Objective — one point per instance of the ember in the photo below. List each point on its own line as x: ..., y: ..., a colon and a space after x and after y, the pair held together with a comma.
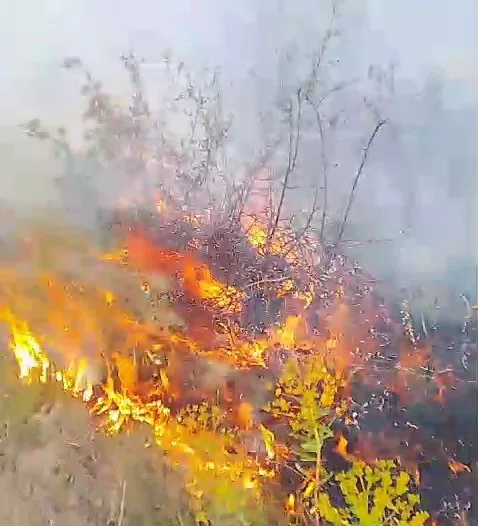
x: 330, y: 395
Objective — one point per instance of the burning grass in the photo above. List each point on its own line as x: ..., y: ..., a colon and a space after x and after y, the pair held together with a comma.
x: 262, y: 378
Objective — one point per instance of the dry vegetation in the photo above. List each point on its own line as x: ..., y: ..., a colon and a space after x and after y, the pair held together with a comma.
x: 56, y: 468
x: 170, y: 372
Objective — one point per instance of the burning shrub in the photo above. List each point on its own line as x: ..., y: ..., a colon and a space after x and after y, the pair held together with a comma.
x: 170, y: 325
x: 135, y: 333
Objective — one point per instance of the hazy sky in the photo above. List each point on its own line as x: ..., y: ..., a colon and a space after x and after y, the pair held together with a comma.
x: 34, y: 36
x: 239, y: 36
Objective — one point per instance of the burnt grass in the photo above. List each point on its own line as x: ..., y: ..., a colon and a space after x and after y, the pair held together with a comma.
x: 422, y: 427
x: 427, y: 434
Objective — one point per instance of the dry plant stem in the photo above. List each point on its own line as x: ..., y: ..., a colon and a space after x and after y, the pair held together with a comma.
x: 325, y: 40
x: 294, y: 141
x: 325, y: 177
x: 122, y: 505
x: 475, y: 470
x: 265, y: 281
x: 318, y: 461
x: 357, y: 179
x: 325, y: 165
x: 244, y: 190
x: 323, y: 152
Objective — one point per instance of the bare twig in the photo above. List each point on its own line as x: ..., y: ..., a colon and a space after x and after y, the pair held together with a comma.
x: 325, y: 165
x: 368, y: 241
x: 244, y: 189
x: 325, y: 41
x: 325, y: 169
x: 358, y: 174
x: 294, y: 141
x: 310, y: 89
x: 121, y: 514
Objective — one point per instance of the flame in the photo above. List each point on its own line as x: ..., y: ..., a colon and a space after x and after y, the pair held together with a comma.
x: 290, y: 504
x: 119, y: 398
x: 341, y: 449
x: 26, y: 349
x: 286, y: 335
x: 197, y: 277
x: 161, y: 205
x: 457, y: 467
x: 245, y: 416
x: 121, y: 408
x: 282, y: 242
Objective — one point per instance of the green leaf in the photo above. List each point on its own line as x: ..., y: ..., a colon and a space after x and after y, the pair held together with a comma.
x: 309, y: 446
x: 306, y: 457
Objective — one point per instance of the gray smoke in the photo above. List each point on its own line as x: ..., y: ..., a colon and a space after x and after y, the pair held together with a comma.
x: 413, y: 222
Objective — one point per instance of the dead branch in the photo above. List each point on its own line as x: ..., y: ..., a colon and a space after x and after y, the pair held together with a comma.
x: 121, y: 514
x: 325, y: 170
x: 241, y: 192
x: 358, y: 174
x: 265, y: 281
x: 371, y: 241
x: 309, y: 90
x: 329, y: 34
x: 294, y: 141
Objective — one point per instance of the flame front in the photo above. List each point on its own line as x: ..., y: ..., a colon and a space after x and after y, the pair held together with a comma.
x: 141, y: 375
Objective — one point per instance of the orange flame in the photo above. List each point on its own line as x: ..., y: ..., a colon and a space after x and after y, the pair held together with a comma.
x: 197, y: 277
x: 457, y: 467
x: 341, y: 449
x: 290, y: 504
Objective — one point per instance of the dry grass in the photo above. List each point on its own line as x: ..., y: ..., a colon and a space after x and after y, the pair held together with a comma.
x: 56, y: 469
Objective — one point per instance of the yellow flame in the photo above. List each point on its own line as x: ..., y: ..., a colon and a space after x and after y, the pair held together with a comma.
x: 121, y: 408
x: 26, y: 349
x: 286, y: 336
x: 290, y: 504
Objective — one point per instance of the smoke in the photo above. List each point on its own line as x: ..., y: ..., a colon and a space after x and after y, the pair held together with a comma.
x: 413, y: 221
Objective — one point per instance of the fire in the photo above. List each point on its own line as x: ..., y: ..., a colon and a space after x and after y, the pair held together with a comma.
x: 290, y: 504
x: 257, y: 236
x: 196, y: 276
x: 26, y: 349
x: 286, y: 335
x: 161, y: 205
x: 245, y: 415
x: 75, y: 380
x: 341, y: 449
x: 281, y: 242
x: 457, y: 467
x: 129, y: 368
x: 120, y: 408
